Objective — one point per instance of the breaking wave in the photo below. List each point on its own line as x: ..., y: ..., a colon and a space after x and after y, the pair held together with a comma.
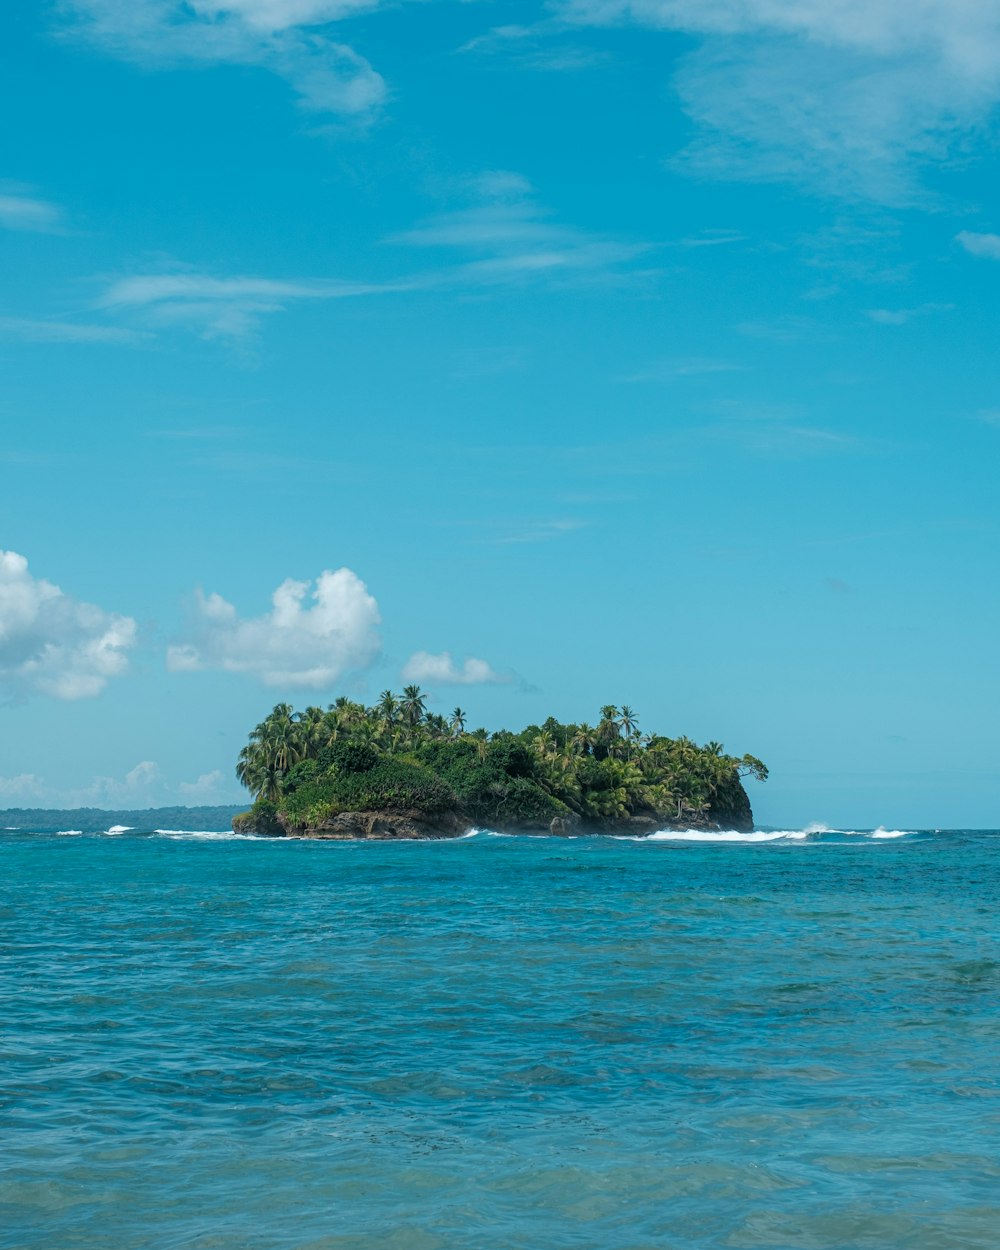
x: 811, y: 833
x: 210, y: 835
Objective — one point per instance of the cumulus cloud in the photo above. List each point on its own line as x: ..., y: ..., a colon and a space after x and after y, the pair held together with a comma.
x: 850, y: 97
x: 277, y: 35
x: 24, y: 788
x: 293, y: 645
x: 143, y: 785
x: 213, y: 787
x: 23, y: 211
x: 53, y: 644
x: 422, y: 666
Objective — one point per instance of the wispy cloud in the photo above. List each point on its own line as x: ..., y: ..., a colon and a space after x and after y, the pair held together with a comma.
x: 987, y: 245
x: 37, y: 330
x: 507, y: 235
x: 21, y: 210
x: 711, y: 238
x: 500, y: 236
x: 683, y: 367
x: 787, y: 329
x: 541, y: 531
x: 900, y: 316
x: 542, y: 46
x: 225, y: 307
x: 279, y: 36
x: 848, y: 98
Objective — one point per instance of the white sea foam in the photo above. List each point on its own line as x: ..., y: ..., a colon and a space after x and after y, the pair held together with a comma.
x: 891, y: 833
x: 120, y: 829
x: 69, y: 833
x: 216, y: 835
x: 720, y: 835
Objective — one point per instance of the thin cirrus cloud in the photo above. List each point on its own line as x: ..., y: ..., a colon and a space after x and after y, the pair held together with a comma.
x: 297, y: 644
x: 506, y: 235
x: 501, y: 236
x: 850, y: 98
x: 442, y: 670
x: 224, y: 307
x: 39, y: 330
x: 51, y: 643
x: 900, y: 316
x: 541, y: 46
x: 23, y: 211
x: 278, y: 36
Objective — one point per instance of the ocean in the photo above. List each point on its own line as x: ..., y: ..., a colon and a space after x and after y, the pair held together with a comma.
x: 743, y: 1042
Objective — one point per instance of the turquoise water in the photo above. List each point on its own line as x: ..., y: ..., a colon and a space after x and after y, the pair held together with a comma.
x: 500, y: 1043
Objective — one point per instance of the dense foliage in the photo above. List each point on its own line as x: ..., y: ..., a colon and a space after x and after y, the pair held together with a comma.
x: 305, y: 767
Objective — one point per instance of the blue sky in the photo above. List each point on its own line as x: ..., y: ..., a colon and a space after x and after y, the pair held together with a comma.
x: 548, y: 355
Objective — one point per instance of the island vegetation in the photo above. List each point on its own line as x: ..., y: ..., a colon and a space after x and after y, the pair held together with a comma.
x: 398, y: 770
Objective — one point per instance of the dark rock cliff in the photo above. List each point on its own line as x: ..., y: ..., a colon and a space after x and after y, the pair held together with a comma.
x: 730, y: 811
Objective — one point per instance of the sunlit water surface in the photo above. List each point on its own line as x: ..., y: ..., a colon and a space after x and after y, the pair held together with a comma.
x: 213, y: 1043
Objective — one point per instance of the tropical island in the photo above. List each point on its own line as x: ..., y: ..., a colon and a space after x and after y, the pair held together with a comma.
x: 396, y: 770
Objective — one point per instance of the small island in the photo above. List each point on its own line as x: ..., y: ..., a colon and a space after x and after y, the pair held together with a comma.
x: 397, y: 771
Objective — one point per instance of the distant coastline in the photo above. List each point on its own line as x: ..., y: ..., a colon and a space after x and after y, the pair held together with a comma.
x: 99, y: 819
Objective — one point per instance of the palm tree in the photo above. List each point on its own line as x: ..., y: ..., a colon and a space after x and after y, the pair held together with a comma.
x: 584, y: 740
x: 629, y: 727
x: 609, y: 728
x: 457, y: 722
x: 413, y: 705
x: 482, y: 740
x: 387, y: 712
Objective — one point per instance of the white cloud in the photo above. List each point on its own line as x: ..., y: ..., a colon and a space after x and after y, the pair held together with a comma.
x: 53, y: 644
x: 25, y: 788
x: 506, y: 235
x: 144, y: 785
x: 211, y: 787
x: 849, y: 97
x: 141, y: 786
x: 683, y: 367
x: 25, y: 212
x: 900, y: 316
x: 532, y: 47
x: 327, y: 77
x: 36, y: 330
x: 422, y: 666
x: 291, y: 646
x: 224, y: 308
x: 980, y: 244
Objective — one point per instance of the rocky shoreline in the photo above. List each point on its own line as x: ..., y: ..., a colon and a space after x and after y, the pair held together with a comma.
x: 415, y: 826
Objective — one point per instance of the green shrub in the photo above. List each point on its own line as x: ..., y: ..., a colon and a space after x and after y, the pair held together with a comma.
x: 349, y: 755
x: 391, y: 785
